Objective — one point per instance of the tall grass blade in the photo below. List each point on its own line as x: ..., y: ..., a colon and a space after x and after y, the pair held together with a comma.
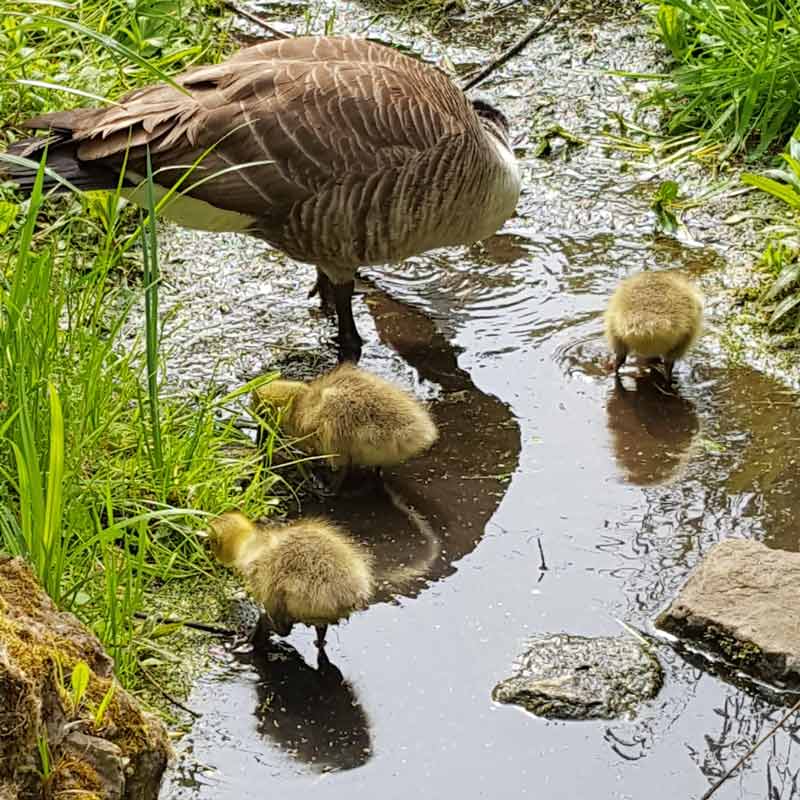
x: 151, y: 278
x: 51, y: 532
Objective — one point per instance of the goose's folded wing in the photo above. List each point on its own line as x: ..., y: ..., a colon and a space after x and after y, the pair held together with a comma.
x: 277, y: 121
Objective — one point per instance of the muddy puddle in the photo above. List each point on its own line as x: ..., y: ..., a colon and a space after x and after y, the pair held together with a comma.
x: 556, y: 499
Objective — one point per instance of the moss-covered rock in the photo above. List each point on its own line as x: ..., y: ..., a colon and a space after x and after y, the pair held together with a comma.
x: 576, y: 677
x: 120, y: 756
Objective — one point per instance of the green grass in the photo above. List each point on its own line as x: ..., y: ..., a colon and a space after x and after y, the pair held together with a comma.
x: 736, y: 71
x: 90, y: 49
x: 105, y: 478
x: 780, y: 264
x: 103, y: 513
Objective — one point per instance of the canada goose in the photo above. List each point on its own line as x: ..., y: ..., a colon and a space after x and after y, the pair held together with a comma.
x: 352, y: 416
x: 308, y: 571
x: 340, y: 152
x: 655, y: 315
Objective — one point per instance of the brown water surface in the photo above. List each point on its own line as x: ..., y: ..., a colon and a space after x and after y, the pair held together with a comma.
x: 622, y: 487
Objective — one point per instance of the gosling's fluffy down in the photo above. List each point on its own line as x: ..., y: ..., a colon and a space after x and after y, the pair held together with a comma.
x: 308, y: 571
x: 352, y: 416
x: 654, y: 315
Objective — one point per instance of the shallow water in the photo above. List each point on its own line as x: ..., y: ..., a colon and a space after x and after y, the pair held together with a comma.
x: 556, y: 500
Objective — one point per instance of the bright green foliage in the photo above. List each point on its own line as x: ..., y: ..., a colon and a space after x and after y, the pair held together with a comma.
x: 780, y: 261
x: 737, y: 75
x: 104, y: 480
x: 79, y: 683
x: 81, y: 495
x: 90, y: 50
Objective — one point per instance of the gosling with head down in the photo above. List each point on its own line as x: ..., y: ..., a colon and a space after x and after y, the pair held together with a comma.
x: 351, y: 416
x: 656, y: 315
x: 308, y: 571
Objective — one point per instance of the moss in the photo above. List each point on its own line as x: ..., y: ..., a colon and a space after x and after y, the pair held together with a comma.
x: 74, y: 779
x: 39, y: 645
x: 740, y: 654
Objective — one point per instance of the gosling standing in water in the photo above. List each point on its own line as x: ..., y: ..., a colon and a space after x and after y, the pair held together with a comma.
x: 308, y: 571
x: 351, y: 416
x: 657, y: 315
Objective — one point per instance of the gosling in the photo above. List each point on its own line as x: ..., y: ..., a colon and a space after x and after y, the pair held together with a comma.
x: 657, y: 315
x: 352, y: 417
x: 308, y: 571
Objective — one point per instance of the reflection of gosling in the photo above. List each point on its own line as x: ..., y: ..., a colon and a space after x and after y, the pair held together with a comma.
x: 654, y: 315
x: 308, y: 571
x: 352, y: 416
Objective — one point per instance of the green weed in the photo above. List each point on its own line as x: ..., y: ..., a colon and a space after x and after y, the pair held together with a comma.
x: 57, y: 54
x: 780, y: 263
x: 735, y: 76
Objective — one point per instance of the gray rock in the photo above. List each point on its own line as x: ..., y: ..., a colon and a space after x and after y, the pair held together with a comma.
x: 577, y: 677
x: 104, y: 758
x: 742, y: 603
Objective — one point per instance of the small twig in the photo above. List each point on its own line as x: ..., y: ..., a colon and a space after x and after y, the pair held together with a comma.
x: 503, y: 7
x: 515, y: 48
x: 205, y: 627
x: 543, y: 566
x: 794, y: 709
x: 255, y: 20
x: 167, y: 695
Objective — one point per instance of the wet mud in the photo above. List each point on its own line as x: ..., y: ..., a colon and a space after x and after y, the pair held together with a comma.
x: 557, y: 499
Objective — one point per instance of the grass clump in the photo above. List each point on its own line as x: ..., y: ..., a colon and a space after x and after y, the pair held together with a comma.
x: 103, y: 516
x: 736, y: 71
x: 104, y: 478
x: 780, y: 263
x: 56, y: 54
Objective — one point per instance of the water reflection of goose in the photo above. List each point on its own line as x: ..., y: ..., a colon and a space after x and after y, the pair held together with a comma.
x: 312, y: 714
x: 652, y: 429
x: 435, y: 508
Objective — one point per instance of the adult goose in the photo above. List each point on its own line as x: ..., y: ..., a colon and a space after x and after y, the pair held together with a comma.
x: 340, y: 152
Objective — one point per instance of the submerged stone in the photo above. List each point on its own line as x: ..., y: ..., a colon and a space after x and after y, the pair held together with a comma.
x: 742, y: 603
x: 117, y: 754
x: 577, y: 677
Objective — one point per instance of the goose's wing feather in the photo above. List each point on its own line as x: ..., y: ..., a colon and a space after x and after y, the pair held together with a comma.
x: 314, y: 108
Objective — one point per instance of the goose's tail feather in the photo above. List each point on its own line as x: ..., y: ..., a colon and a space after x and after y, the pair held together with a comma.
x: 24, y: 156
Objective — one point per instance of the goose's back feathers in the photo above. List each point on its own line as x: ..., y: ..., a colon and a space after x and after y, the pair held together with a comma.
x: 337, y: 150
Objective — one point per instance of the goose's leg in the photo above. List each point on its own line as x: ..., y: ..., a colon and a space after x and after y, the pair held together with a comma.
x: 324, y: 288
x: 348, y: 339
x: 619, y: 360
x: 321, y: 631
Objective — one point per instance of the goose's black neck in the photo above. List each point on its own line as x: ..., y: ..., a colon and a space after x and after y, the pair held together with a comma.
x: 493, y: 119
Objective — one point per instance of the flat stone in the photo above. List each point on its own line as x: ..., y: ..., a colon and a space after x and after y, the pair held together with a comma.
x: 576, y: 677
x: 742, y: 603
